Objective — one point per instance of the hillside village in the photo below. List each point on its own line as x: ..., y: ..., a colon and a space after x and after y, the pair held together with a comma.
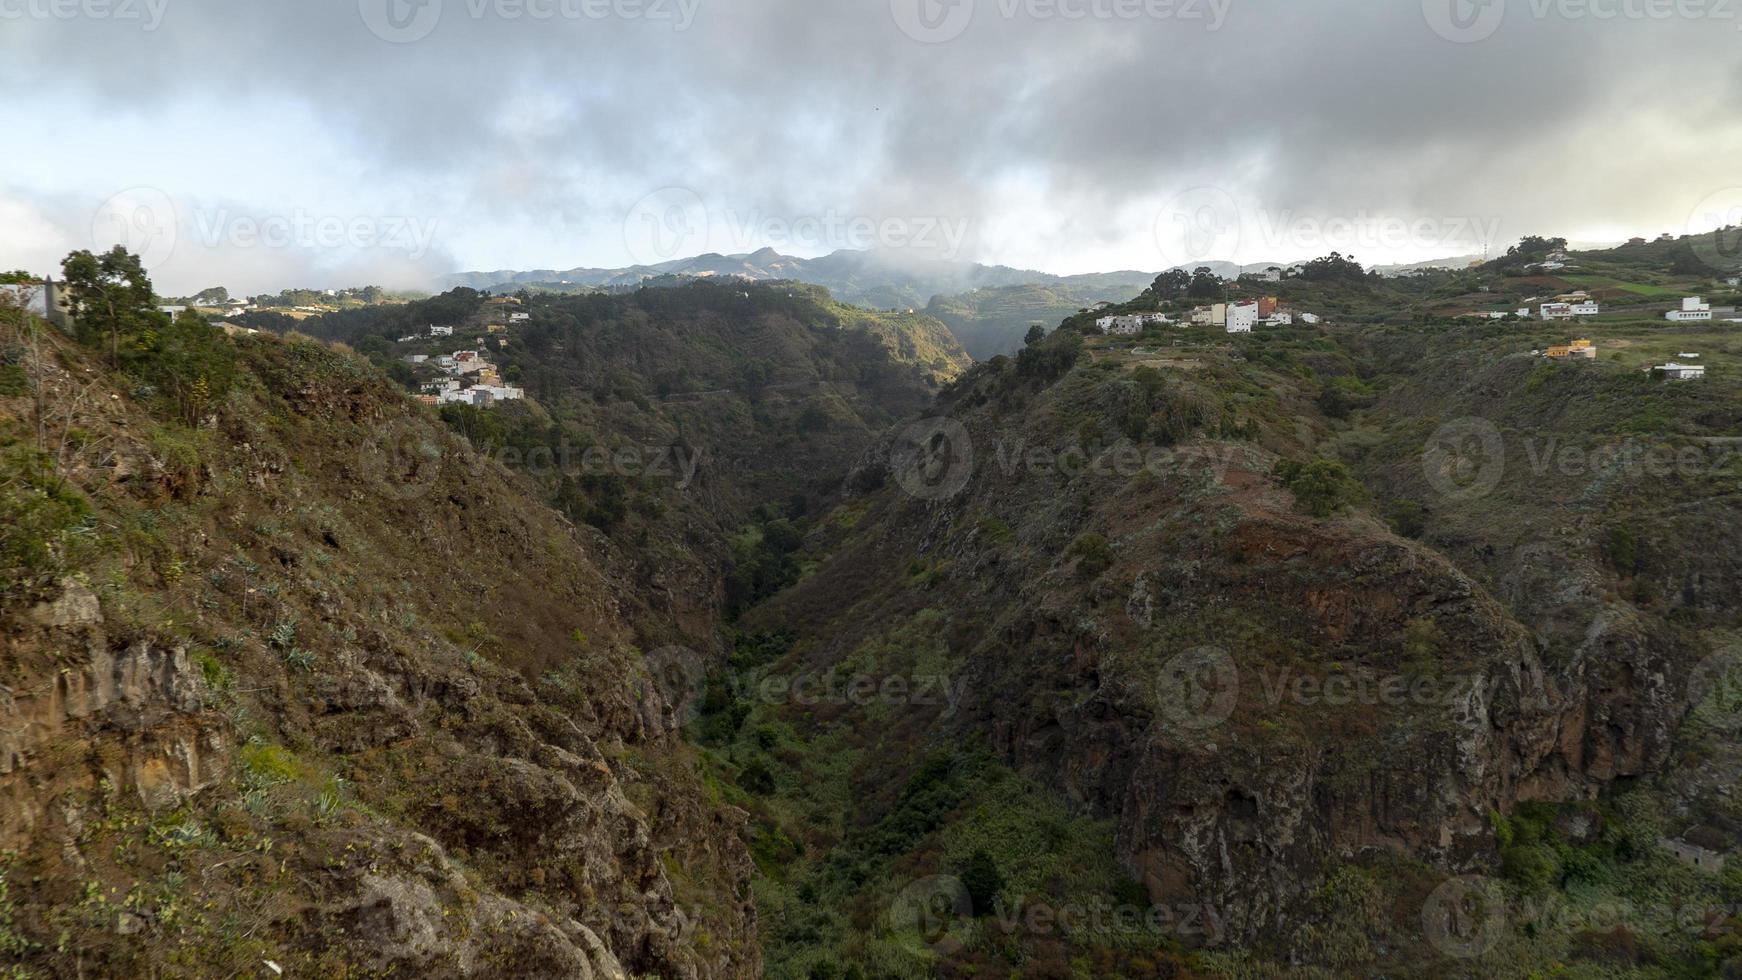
x: 1236, y: 317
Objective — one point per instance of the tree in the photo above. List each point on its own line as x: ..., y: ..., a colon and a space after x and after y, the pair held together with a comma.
x: 1172, y: 284
x: 1205, y: 284
x: 1532, y: 248
x: 1332, y: 267
x: 110, y: 294
x: 372, y: 344
x: 1684, y: 262
x: 214, y: 296
x: 1036, y: 334
x: 189, y: 361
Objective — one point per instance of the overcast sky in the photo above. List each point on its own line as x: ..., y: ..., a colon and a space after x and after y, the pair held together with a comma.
x: 259, y: 144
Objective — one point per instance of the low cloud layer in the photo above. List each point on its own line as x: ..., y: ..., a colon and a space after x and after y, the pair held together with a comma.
x: 392, y: 140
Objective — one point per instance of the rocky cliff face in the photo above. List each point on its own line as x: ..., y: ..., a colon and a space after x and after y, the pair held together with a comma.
x: 314, y: 690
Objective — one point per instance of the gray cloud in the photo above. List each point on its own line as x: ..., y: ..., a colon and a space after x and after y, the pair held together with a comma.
x: 1054, y: 138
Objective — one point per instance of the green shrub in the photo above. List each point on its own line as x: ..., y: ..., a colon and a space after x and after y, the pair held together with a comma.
x: 1407, y: 518
x: 983, y: 882
x: 1094, y: 555
x: 38, y: 511
x: 1321, y: 487
x: 1621, y: 549
x: 13, y: 380
x: 267, y: 764
x: 1529, y: 866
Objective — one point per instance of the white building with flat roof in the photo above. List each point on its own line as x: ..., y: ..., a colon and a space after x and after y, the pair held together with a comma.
x: 1242, y: 317
x: 1693, y: 308
x: 1568, y: 311
x: 1682, y: 372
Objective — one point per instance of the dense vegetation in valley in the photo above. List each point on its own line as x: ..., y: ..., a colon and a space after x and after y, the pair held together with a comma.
x: 770, y: 635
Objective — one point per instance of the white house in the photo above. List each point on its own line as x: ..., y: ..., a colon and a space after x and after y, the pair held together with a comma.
x: 503, y: 393
x: 1733, y: 281
x: 1524, y: 312
x: 1682, y: 372
x: 415, y: 358
x: 1242, y: 317
x: 435, y: 331
x: 519, y: 317
x: 407, y: 340
x: 1693, y: 308
x: 1310, y: 318
x: 1281, y: 318
x: 1567, y: 311
x: 1127, y: 326
x: 1106, y: 323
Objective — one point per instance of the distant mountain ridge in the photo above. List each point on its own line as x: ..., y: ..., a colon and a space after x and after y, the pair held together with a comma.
x: 865, y: 278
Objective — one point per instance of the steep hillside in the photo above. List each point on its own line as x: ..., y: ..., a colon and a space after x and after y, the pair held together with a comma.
x: 305, y: 686
x: 1183, y: 660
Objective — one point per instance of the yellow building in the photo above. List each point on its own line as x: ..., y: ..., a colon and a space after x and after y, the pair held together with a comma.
x: 1578, y: 348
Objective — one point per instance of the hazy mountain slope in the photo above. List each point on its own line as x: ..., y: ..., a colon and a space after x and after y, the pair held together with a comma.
x: 308, y: 684
x: 994, y: 321
x: 868, y: 278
